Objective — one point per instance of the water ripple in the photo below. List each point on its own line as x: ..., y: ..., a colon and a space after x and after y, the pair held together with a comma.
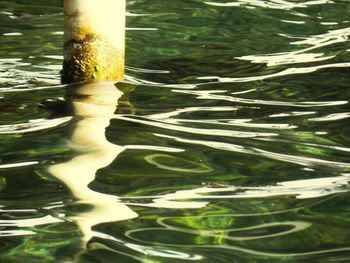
x: 147, y: 250
x: 288, y: 158
x: 286, y: 72
x: 33, y: 125
x: 212, y: 95
x: 243, y: 105
x: 302, y: 56
x: 16, y: 165
x: 210, y: 132
x: 271, y: 4
x: 47, y: 219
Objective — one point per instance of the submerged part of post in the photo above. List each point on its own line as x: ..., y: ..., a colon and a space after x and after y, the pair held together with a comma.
x: 94, y: 33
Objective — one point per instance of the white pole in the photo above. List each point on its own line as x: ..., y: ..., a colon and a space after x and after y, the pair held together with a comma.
x: 94, y: 34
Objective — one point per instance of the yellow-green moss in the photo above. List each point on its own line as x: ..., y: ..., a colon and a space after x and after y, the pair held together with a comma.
x: 92, y: 59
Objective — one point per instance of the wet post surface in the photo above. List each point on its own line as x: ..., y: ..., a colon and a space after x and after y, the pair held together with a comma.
x: 94, y: 35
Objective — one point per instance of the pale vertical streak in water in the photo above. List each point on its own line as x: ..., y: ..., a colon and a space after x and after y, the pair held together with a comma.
x: 244, y: 107
x: 93, y: 105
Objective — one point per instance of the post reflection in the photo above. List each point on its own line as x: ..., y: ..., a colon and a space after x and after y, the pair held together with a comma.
x: 93, y: 106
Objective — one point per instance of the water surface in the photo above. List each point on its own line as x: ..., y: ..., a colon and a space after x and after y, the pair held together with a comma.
x: 227, y: 142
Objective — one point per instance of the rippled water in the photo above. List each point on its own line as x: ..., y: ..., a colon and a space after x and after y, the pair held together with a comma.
x: 230, y: 140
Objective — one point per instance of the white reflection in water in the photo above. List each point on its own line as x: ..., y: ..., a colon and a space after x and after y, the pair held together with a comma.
x: 167, y: 117
x: 332, y: 117
x: 286, y: 72
x: 270, y: 4
x: 302, y: 56
x: 93, y: 105
x: 213, y: 132
x: 17, y: 224
x: 13, y: 34
x: 215, y: 95
x: 32, y: 125
x: 30, y: 222
x: 293, y: 22
x: 236, y: 122
x: 292, y: 114
x: 144, y: 250
x: 16, y: 232
x: 321, y: 40
x: 301, y: 189
x: 177, y: 112
x: 16, y: 165
x: 285, y: 58
x: 15, y: 73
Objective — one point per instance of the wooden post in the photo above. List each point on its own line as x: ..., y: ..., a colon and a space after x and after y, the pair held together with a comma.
x: 94, y: 40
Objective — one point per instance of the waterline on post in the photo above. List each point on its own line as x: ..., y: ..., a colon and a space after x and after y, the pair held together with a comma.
x: 94, y: 35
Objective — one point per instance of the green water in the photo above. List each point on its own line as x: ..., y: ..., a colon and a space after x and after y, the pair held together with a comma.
x: 230, y: 142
